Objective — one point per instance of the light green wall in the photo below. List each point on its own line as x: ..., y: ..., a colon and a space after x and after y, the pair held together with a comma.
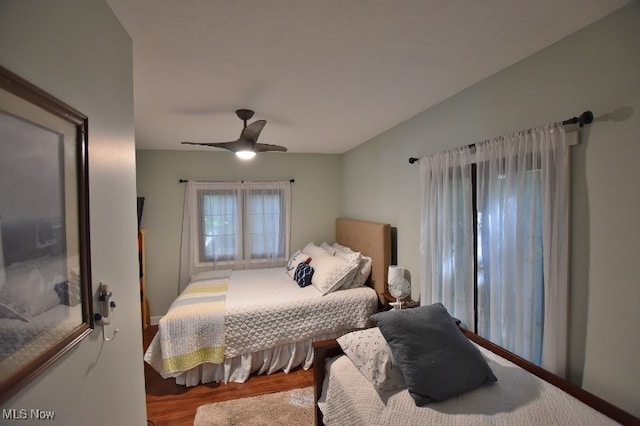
x: 597, y: 68
x: 316, y: 202
x: 78, y: 51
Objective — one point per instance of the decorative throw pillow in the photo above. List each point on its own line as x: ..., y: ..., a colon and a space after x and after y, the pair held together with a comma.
x: 297, y: 258
x: 371, y: 355
x: 303, y: 274
x: 437, y: 361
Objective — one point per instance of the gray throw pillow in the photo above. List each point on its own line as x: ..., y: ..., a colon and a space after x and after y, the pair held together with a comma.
x: 437, y: 361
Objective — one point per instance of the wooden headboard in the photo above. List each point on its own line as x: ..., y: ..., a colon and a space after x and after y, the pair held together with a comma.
x: 371, y: 239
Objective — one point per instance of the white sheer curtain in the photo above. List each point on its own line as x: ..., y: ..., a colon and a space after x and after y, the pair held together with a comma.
x: 522, y: 212
x: 234, y: 225
x: 224, y: 245
x: 267, y: 230
x: 446, y: 232
x: 523, y: 253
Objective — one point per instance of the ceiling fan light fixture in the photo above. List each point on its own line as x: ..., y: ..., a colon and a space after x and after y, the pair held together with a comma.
x: 246, y: 155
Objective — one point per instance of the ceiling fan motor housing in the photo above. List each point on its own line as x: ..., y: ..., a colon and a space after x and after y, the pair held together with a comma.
x: 244, y: 115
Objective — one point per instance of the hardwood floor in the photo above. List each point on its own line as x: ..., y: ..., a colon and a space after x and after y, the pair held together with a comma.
x: 169, y: 404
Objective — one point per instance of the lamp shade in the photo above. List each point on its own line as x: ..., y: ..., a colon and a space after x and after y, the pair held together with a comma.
x: 395, y: 271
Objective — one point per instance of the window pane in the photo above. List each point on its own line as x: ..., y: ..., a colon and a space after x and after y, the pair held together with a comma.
x: 510, y: 275
x: 218, y: 225
x: 265, y: 222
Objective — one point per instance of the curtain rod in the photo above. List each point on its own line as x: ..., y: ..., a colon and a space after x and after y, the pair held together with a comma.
x: 242, y: 181
x: 584, y: 118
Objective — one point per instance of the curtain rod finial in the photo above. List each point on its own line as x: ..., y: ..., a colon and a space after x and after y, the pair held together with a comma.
x: 412, y: 160
x: 586, y: 118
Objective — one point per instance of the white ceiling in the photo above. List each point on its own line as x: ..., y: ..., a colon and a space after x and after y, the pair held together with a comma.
x: 327, y: 75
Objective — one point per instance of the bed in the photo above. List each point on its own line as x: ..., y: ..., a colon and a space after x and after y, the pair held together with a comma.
x: 40, y: 299
x: 227, y: 325
x: 452, y: 376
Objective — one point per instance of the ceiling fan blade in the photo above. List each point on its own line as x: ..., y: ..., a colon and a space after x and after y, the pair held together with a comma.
x: 252, y: 131
x: 231, y: 146
x: 265, y: 147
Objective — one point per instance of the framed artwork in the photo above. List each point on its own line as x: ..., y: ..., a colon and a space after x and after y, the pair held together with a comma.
x: 45, y: 277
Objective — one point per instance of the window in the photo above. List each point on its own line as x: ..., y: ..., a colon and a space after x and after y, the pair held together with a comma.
x: 242, y: 224
x: 219, y: 225
x: 509, y: 249
x: 264, y: 224
x: 494, y: 234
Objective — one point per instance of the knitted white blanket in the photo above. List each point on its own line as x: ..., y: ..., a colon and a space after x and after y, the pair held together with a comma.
x: 193, y: 331
x: 517, y: 398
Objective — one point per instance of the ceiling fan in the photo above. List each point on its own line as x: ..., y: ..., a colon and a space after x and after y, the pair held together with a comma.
x: 247, y: 145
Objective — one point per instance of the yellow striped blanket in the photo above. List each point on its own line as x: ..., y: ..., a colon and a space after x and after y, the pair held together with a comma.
x: 192, y: 331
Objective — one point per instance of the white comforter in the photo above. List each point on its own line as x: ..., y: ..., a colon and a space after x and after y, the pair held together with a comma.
x: 270, y: 323
x: 518, y: 398
x: 266, y: 308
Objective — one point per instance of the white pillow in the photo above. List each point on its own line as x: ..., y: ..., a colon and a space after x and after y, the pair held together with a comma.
x: 351, y: 257
x: 364, y: 270
x: 370, y: 354
x: 339, y: 247
x: 311, y: 248
x: 326, y: 247
x: 348, y: 255
x: 364, y: 265
x: 297, y: 258
x: 330, y: 272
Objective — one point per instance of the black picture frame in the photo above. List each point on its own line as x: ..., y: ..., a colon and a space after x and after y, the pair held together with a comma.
x: 45, y: 276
